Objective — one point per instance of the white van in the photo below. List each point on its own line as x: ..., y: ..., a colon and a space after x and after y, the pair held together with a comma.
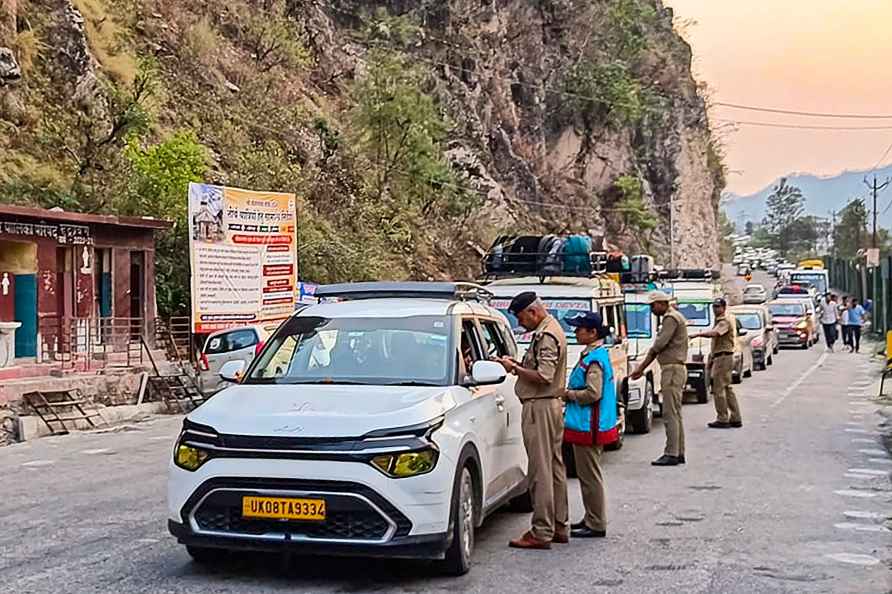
x: 641, y: 328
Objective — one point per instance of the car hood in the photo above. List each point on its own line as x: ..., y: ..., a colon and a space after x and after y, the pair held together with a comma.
x: 699, y: 345
x: 321, y: 410
x: 786, y: 320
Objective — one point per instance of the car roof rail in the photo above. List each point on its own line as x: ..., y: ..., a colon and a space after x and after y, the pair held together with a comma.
x: 450, y: 291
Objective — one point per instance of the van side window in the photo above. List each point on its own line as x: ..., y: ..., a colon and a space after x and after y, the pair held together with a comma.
x: 493, y: 341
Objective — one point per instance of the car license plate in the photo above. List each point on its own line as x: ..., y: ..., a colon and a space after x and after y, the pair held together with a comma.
x: 283, y: 508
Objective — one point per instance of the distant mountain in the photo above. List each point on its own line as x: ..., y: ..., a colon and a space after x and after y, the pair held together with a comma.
x: 822, y: 195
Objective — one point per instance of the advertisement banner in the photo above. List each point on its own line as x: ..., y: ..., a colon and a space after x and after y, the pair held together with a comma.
x: 242, y: 251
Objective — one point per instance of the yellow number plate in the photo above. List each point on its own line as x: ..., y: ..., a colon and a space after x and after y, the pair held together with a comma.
x: 283, y: 508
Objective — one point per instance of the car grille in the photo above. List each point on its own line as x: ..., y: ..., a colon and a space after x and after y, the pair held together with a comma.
x: 348, y: 517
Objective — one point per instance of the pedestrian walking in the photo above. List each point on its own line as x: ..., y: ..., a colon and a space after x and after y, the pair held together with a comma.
x: 829, y: 319
x: 590, y: 417
x: 540, y: 383
x: 856, y: 315
x: 844, y: 324
x: 721, y: 363
x: 670, y: 349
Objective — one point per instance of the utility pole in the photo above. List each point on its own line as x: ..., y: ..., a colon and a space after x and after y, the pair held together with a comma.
x: 875, y: 189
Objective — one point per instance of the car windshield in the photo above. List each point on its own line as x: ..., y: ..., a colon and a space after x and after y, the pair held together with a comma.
x: 374, y: 351
x: 749, y: 320
x: 787, y: 309
x: 697, y: 313
x: 810, y: 279
x: 754, y: 289
x: 561, y: 309
x: 638, y: 320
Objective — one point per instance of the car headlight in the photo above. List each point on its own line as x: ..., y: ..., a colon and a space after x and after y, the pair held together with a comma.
x: 406, y: 464
x: 189, y: 457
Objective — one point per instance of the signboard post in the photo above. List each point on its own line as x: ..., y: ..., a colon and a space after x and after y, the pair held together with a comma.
x: 242, y: 253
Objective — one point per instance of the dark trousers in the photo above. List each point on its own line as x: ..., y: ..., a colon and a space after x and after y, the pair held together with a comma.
x: 855, y: 337
x: 830, y: 334
x: 847, y: 335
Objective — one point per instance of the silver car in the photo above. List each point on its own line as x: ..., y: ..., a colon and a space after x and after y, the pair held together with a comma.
x: 754, y: 294
x: 234, y: 344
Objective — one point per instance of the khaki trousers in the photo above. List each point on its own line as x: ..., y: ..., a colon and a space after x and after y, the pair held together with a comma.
x: 723, y: 394
x: 542, y: 424
x: 591, y: 482
x: 673, y: 381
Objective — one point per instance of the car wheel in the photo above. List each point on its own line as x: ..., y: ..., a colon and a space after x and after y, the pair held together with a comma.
x: 205, y: 555
x: 748, y: 372
x: 458, y: 555
x: 642, y: 420
x: 702, y: 389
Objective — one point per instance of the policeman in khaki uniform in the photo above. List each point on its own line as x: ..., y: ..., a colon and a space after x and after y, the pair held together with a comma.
x: 670, y: 349
x: 541, y: 379
x: 721, y: 363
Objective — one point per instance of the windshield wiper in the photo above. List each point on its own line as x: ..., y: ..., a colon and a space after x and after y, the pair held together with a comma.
x: 413, y: 383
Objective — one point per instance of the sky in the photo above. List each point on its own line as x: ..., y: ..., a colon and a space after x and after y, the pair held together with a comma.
x: 803, y: 55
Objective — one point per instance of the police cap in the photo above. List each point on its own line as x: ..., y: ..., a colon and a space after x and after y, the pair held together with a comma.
x: 522, y: 301
x: 719, y: 302
x: 658, y: 296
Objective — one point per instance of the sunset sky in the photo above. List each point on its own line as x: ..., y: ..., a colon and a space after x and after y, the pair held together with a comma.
x: 804, y: 55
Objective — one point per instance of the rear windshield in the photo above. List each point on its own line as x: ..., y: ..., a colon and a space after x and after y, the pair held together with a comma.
x: 787, y: 309
x: 230, y: 341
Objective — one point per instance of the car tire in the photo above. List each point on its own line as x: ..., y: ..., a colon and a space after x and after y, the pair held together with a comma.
x: 702, y: 390
x: 641, y: 420
x: 748, y: 372
x: 458, y: 555
x: 205, y: 555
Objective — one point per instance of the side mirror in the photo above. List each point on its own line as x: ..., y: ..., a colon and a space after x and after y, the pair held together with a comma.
x: 232, y: 371
x: 487, y: 373
x: 743, y: 332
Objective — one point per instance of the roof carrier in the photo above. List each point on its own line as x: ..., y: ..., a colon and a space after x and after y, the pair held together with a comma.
x: 545, y: 255
x: 690, y: 274
x: 403, y: 290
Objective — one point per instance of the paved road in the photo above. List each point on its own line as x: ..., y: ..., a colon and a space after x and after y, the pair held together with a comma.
x: 793, y: 502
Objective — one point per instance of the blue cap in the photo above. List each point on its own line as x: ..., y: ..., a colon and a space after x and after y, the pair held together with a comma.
x: 590, y: 320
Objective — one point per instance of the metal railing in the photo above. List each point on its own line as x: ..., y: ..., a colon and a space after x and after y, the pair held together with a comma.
x: 871, y: 285
x: 91, y: 344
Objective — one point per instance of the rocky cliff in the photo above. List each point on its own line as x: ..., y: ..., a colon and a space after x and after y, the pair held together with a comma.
x: 551, y: 115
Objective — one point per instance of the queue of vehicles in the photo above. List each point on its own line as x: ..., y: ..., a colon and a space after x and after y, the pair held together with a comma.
x: 375, y: 423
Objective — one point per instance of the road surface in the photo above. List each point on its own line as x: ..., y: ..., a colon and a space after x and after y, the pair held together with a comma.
x: 796, y: 501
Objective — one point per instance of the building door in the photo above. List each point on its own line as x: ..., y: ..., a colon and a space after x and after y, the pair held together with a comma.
x: 26, y: 313
x: 137, y: 292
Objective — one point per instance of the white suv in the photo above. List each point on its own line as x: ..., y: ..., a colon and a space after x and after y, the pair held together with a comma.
x: 370, y: 426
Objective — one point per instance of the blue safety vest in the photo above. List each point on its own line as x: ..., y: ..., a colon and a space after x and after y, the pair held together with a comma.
x: 586, y: 424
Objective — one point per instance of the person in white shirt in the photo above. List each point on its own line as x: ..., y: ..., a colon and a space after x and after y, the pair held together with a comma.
x: 844, y: 323
x: 829, y: 319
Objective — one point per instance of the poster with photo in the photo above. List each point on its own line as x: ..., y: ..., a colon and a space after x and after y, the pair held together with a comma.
x: 242, y: 250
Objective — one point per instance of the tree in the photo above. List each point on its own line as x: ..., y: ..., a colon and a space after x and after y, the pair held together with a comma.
x: 628, y: 211
x: 786, y: 207
x: 850, y: 234
x: 726, y: 249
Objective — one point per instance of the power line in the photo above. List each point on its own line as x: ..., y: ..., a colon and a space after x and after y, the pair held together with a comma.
x: 812, y: 114
x: 802, y: 126
x: 883, y: 157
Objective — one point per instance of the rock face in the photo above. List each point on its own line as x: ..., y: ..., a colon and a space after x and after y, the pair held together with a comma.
x: 9, y: 69
x: 499, y: 69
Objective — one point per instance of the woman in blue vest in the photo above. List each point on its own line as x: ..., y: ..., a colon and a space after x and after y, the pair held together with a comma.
x: 590, y: 420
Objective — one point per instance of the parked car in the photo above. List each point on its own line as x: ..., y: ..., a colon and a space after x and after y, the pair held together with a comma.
x: 743, y: 269
x: 743, y: 356
x: 793, y: 323
x: 223, y: 346
x: 761, y: 334
x: 363, y: 428
x: 755, y: 294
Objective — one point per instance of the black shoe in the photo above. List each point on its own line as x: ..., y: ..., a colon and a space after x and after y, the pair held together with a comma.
x: 719, y: 425
x: 681, y: 459
x: 586, y: 532
x: 665, y: 460
x: 736, y: 425
x: 578, y: 525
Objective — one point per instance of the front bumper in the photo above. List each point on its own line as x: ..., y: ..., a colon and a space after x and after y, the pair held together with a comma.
x: 792, y: 337
x: 359, y: 520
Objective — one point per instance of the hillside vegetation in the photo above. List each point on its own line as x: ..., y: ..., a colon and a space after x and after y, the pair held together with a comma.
x: 413, y: 132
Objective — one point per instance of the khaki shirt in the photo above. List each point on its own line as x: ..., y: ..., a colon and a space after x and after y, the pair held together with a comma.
x: 547, y: 355
x: 594, y: 383
x: 726, y: 326
x: 671, y: 345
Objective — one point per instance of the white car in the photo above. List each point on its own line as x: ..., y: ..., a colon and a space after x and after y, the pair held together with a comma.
x: 358, y: 430
x: 223, y: 346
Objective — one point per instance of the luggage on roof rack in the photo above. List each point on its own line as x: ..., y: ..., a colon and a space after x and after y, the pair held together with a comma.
x: 544, y: 255
x: 693, y: 274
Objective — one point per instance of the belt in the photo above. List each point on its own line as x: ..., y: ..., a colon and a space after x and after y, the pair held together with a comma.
x: 682, y: 364
x: 525, y: 400
x: 723, y: 354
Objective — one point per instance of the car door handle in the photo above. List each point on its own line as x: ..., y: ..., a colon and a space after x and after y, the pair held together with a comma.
x: 500, y: 400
